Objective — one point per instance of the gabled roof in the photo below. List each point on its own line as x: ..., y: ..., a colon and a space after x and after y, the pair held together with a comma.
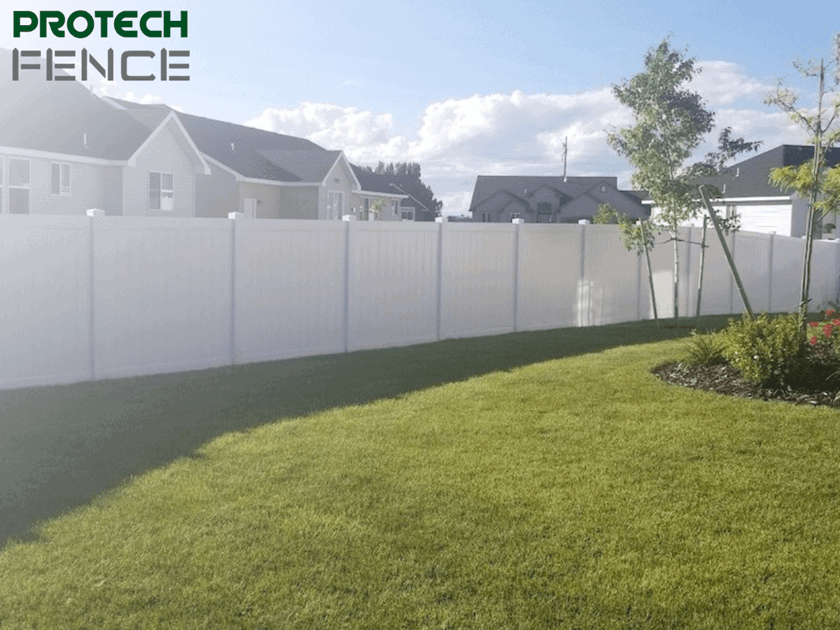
x: 750, y: 178
x: 58, y: 116
x: 308, y: 165
x: 506, y: 193
x: 523, y: 185
x: 252, y: 153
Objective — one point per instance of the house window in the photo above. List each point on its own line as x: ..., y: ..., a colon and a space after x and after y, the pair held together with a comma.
x: 365, y: 213
x: 60, y: 178
x: 18, y: 186
x: 515, y: 215
x: 408, y: 213
x: 161, y: 191
x: 543, y: 213
x: 485, y: 217
x: 396, y: 208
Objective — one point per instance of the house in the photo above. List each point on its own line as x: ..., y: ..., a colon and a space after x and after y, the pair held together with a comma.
x: 268, y: 175
x: 63, y: 150
x: 548, y: 199
x: 404, y: 188
x: 762, y: 207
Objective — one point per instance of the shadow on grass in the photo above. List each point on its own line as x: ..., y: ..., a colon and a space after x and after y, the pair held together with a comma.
x: 60, y: 446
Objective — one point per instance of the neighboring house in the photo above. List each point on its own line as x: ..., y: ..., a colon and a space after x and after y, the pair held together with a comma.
x: 746, y: 190
x: 548, y: 199
x: 403, y: 189
x: 268, y: 175
x: 64, y: 151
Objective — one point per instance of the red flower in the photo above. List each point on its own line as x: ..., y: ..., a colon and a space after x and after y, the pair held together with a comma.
x: 813, y: 341
x: 836, y: 322
x: 827, y: 329
x: 814, y: 324
x: 829, y: 312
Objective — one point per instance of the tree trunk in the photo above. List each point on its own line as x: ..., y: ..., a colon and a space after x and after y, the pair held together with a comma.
x: 674, y: 236
x: 804, y: 296
x: 650, y: 273
x: 735, y: 276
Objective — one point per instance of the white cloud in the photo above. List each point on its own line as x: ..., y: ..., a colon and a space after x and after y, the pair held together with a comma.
x: 517, y: 133
x: 331, y: 126
x: 724, y: 83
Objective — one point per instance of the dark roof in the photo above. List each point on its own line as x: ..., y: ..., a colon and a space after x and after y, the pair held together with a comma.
x: 310, y: 165
x: 750, y: 178
x: 250, y: 152
x: 391, y: 184
x: 524, y: 185
x: 55, y: 116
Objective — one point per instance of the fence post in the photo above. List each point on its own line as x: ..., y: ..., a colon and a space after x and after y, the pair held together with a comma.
x: 516, y: 223
x: 441, y: 221
x: 837, y: 270
x: 582, y: 277
x: 234, y: 217
x: 347, y: 218
x: 731, y: 278
x: 638, y: 288
x: 770, y: 273
x: 93, y: 215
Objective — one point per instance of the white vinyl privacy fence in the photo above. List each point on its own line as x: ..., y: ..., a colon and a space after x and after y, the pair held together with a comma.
x: 85, y: 298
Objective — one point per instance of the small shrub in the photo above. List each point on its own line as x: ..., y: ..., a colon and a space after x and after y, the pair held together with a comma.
x: 770, y: 352
x: 703, y: 349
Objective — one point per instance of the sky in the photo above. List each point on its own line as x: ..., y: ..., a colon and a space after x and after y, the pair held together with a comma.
x: 463, y: 88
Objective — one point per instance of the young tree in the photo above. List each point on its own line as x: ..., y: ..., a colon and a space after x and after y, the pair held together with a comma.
x: 670, y: 123
x: 812, y: 180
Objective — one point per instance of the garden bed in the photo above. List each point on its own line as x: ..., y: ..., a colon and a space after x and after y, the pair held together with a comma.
x: 724, y: 379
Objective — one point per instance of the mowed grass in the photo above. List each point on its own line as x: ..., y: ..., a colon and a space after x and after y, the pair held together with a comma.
x: 574, y: 493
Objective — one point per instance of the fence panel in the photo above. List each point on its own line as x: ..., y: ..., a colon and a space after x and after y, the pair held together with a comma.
x: 289, y: 288
x: 477, y: 279
x: 824, y: 273
x: 787, y: 273
x: 717, y: 278
x: 608, y: 291
x: 549, y: 274
x: 44, y: 300
x: 752, y: 259
x: 393, y: 283
x: 163, y: 294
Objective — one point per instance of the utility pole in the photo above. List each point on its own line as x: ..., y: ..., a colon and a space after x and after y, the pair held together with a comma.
x: 565, y: 152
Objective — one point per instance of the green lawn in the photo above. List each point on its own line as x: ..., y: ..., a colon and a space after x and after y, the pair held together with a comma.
x: 578, y: 492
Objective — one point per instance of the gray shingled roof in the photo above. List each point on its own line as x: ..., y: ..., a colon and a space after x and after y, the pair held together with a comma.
x: 55, y: 116
x: 750, y: 178
x: 309, y: 165
x: 251, y: 152
x: 523, y: 185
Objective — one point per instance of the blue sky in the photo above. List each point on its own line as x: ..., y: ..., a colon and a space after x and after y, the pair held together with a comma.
x: 464, y: 88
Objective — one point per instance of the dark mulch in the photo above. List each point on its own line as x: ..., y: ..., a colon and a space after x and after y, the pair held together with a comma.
x: 724, y: 379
